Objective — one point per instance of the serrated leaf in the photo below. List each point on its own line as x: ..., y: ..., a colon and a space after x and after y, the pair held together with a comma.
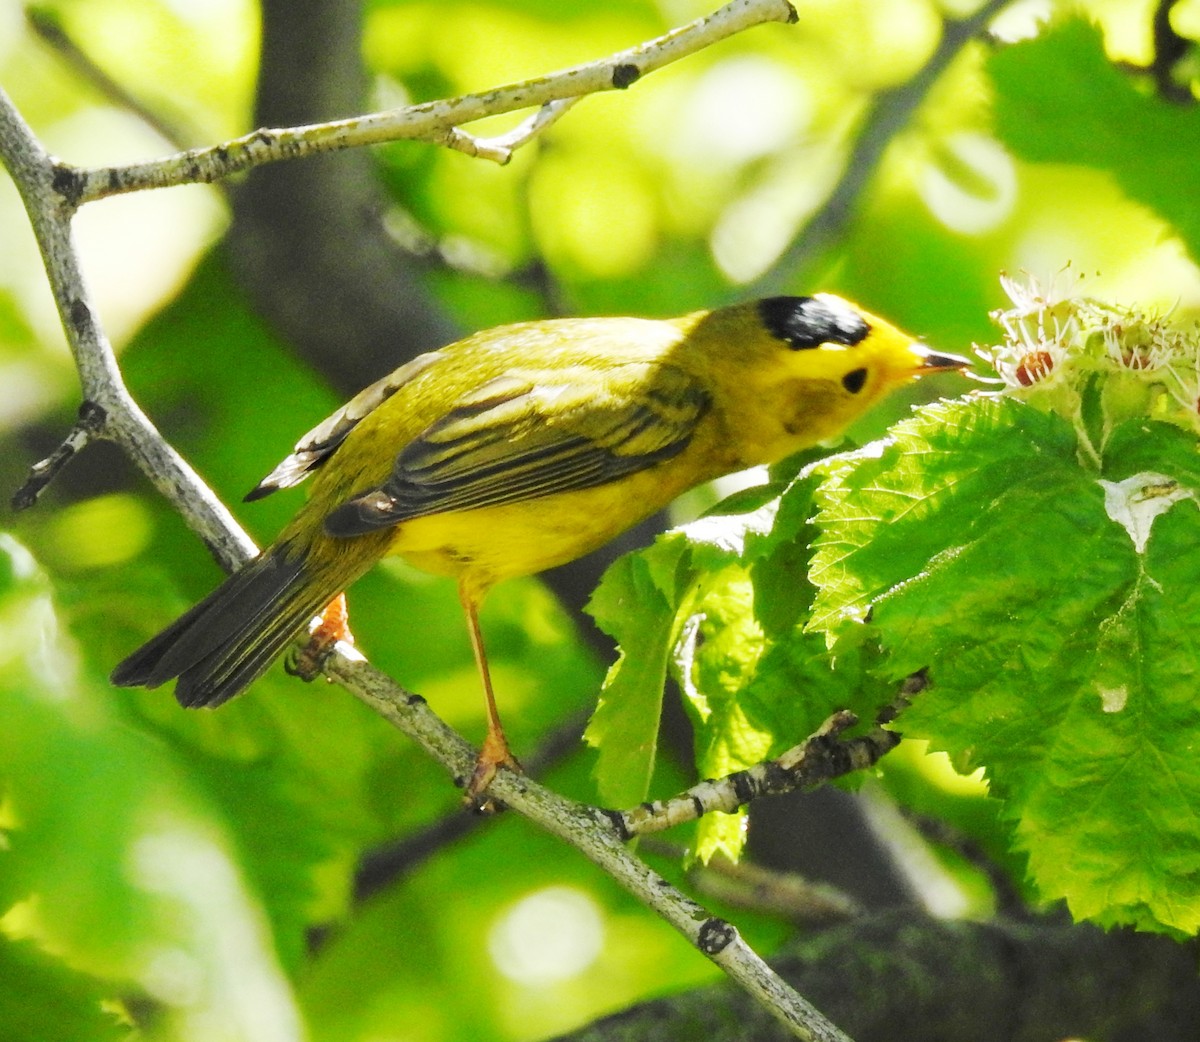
x: 896, y: 509
x: 720, y: 833
x: 1062, y: 659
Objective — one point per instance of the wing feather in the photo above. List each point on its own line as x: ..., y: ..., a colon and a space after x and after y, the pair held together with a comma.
x: 319, y: 444
x: 518, y: 440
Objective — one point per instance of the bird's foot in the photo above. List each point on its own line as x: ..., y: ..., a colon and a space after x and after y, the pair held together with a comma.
x: 494, y: 755
x: 334, y: 627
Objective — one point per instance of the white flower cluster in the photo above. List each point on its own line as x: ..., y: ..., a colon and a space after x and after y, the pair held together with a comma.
x: 1054, y: 342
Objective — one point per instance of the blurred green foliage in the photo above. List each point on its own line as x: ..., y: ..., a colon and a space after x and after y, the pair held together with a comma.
x: 193, y: 873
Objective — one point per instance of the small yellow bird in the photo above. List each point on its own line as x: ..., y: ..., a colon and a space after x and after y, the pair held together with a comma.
x: 523, y: 447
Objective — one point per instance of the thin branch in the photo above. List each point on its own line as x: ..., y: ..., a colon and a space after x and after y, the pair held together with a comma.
x: 590, y: 830
x: 87, y: 427
x: 821, y: 757
x: 789, y: 895
x: 500, y: 149
x: 432, y: 121
x: 34, y: 173
x: 744, y: 884
x: 891, y: 113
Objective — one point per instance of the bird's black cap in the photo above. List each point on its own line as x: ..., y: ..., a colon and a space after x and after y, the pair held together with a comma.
x: 807, y: 322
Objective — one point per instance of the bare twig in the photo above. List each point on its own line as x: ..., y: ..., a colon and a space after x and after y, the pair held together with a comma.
x: 436, y: 121
x: 788, y: 894
x: 743, y: 884
x: 34, y: 172
x: 821, y: 757
x: 88, y: 426
x: 500, y: 149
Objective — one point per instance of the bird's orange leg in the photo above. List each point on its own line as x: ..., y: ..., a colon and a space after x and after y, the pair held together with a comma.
x: 334, y: 626
x: 495, y: 752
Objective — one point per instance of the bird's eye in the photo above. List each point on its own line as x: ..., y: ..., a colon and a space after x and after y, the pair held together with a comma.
x: 855, y: 380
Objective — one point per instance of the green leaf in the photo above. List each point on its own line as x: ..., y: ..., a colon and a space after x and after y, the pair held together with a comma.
x: 1060, y: 100
x: 889, y: 510
x: 1055, y: 611
x: 634, y: 603
x: 718, y: 654
x: 643, y: 601
x: 46, y: 1002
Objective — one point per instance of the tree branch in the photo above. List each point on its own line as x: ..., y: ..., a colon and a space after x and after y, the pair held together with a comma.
x: 116, y: 415
x: 435, y: 121
x: 821, y: 757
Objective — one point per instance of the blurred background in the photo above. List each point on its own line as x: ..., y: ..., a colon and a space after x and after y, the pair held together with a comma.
x: 283, y: 868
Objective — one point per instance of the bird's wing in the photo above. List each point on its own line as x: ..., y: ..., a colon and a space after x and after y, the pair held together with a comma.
x: 517, y: 439
x: 318, y: 444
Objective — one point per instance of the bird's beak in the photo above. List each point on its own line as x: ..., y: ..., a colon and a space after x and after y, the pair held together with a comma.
x: 935, y: 362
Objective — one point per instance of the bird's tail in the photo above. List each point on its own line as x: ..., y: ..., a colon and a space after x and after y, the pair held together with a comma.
x: 228, y: 640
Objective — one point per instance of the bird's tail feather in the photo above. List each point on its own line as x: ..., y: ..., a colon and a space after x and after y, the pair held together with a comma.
x: 228, y: 640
